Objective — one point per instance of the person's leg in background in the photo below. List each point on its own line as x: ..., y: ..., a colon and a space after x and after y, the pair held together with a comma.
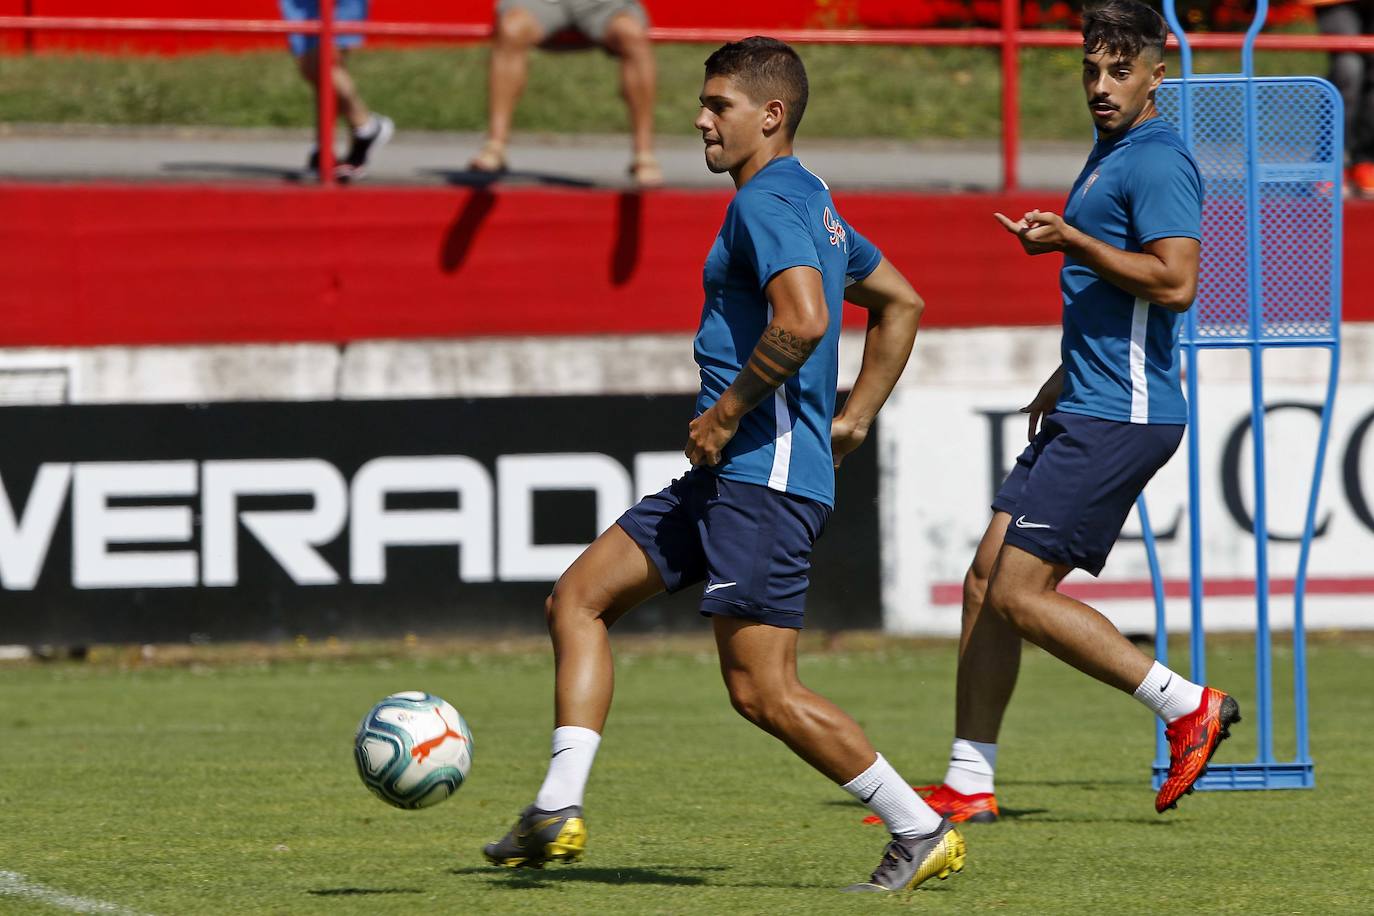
x: 1360, y: 142
x: 519, y: 29
x: 627, y: 37
x: 366, y: 129
x: 1347, y: 71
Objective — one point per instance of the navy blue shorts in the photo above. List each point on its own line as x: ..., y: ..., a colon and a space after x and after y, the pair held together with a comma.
x: 344, y: 10
x: 1074, y: 485
x: 751, y: 545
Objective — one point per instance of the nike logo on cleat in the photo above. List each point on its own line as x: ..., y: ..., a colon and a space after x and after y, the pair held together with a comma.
x: 715, y: 585
x: 1022, y: 523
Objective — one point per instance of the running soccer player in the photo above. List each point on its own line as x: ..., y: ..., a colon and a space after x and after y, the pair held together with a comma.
x: 764, y: 447
x: 1108, y: 418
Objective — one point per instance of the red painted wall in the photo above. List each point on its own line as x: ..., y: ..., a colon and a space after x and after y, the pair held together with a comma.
x: 743, y: 14
x: 128, y: 264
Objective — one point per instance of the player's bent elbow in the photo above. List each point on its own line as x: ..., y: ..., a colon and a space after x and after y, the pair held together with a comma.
x: 911, y: 301
x: 918, y: 305
x: 813, y: 327
x: 908, y: 304
x: 1179, y: 299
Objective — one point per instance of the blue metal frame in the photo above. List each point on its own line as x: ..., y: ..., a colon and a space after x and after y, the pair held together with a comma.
x: 1265, y: 772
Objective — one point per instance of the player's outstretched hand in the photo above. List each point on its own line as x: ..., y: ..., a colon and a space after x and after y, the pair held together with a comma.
x: 707, y: 437
x: 845, y: 437
x: 1040, y: 231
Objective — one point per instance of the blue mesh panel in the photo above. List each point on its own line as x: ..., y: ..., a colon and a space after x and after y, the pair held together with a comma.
x: 1296, y: 167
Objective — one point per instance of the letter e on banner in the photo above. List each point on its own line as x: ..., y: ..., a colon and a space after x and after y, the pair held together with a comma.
x: 96, y: 525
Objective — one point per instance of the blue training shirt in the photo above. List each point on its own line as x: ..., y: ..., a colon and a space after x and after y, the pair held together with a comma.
x: 1121, y: 355
x: 783, y: 217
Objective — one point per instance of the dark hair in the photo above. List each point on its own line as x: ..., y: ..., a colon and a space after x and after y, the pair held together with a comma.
x: 765, y: 69
x: 1125, y: 28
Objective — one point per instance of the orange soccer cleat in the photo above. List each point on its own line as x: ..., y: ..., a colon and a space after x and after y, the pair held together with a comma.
x: 1193, y: 739
x: 958, y: 808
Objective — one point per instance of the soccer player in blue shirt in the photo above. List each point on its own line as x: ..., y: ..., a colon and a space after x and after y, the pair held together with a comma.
x: 764, y: 447
x: 1108, y: 418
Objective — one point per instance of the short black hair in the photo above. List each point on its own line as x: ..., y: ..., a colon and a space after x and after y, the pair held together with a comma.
x: 1125, y: 28
x: 765, y: 69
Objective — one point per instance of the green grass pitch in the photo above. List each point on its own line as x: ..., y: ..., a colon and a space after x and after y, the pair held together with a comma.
x: 225, y: 784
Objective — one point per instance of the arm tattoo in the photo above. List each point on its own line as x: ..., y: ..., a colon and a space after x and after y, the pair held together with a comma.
x: 778, y: 356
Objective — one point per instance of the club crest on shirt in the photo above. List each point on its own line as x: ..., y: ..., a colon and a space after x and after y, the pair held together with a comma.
x: 1092, y: 179
x: 835, y: 228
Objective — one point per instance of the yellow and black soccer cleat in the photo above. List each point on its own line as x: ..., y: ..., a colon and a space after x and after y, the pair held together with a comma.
x: 908, y: 861
x: 539, y: 837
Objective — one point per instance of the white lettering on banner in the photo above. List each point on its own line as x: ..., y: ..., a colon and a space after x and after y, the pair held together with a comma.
x: 655, y: 470
x: 24, y: 543
x: 96, y: 525
x: 520, y: 476
x: 290, y: 536
x: 467, y: 527
x: 293, y: 537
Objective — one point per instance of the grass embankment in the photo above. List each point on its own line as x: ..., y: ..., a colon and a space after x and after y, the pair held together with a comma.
x: 880, y: 92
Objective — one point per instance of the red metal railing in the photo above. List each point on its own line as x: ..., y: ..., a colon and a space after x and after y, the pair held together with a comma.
x: 1010, y: 38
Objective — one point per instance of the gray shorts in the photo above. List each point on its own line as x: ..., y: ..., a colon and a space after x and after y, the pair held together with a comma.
x: 590, y: 17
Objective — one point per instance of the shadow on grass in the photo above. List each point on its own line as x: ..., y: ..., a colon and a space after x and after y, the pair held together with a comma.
x: 1010, y: 813
x: 1014, y: 813
x: 1004, y: 813
x: 1074, y: 783
x: 1091, y: 819
x: 360, y: 891
x: 902, y: 897
x: 539, y: 877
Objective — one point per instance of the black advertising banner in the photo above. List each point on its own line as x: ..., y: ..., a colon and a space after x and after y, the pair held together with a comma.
x: 264, y: 520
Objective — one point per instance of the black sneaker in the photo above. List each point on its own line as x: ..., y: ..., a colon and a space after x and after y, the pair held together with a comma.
x: 539, y: 837
x: 354, y: 165
x: 909, y: 861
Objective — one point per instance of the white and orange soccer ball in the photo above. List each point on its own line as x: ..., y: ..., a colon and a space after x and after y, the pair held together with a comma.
x: 413, y: 750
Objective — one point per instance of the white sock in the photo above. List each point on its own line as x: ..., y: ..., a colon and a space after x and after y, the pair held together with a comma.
x: 971, y: 764
x: 890, y: 797
x: 369, y: 128
x: 1168, y: 694
x: 574, y: 749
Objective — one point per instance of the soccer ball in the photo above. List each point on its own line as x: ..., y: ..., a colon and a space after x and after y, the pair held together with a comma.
x: 413, y: 750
